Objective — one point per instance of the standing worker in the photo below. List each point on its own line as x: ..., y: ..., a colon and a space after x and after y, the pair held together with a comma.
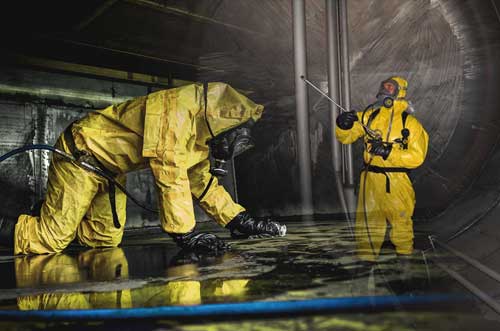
x: 172, y: 132
x: 395, y: 142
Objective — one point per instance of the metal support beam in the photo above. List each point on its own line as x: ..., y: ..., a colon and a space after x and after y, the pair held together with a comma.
x: 98, y: 12
x: 346, y: 102
x: 125, y: 52
x: 332, y: 22
x: 302, y: 105
x: 180, y: 12
x: 91, y: 71
x: 485, y: 297
x: 473, y: 262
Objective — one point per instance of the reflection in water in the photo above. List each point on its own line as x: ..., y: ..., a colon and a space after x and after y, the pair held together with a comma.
x: 57, y: 269
x: 311, y: 262
x: 111, y: 266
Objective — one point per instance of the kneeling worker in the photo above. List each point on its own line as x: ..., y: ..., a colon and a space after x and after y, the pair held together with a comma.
x: 385, y: 192
x: 172, y: 132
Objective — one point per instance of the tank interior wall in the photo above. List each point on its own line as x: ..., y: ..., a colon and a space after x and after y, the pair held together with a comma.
x: 448, y: 51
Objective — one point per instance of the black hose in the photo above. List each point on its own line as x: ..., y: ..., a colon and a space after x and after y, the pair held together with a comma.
x: 84, y: 165
x: 364, y: 208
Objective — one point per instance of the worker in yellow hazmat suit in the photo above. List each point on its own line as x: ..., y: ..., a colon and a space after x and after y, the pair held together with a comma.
x: 172, y: 132
x: 385, y: 193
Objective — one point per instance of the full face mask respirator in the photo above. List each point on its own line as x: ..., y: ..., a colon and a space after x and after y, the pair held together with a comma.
x: 389, y: 90
x: 229, y: 144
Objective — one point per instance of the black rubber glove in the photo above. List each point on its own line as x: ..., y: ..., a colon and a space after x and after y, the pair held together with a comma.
x: 381, y: 149
x: 199, y: 242
x: 346, y: 120
x: 245, y: 226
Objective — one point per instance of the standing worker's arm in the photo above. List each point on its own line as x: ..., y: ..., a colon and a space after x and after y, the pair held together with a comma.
x: 348, y: 128
x: 213, y: 197
x: 418, y: 142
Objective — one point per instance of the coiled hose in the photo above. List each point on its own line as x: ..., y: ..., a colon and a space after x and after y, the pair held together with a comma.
x: 82, y: 164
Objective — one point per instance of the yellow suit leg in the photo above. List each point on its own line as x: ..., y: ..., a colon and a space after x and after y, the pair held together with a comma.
x: 70, y: 191
x: 370, y: 233
x: 97, y: 228
x: 399, y: 210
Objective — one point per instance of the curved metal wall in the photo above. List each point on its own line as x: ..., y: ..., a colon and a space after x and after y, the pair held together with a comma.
x: 447, y: 49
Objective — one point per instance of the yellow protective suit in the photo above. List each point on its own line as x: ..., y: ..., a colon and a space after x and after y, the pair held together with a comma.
x: 397, y: 206
x: 166, y: 131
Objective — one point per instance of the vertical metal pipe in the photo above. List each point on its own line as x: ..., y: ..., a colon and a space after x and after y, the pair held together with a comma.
x: 332, y: 15
x: 346, y: 100
x: 302, y: 105
x: 333, y: 75
x: 346, y: 83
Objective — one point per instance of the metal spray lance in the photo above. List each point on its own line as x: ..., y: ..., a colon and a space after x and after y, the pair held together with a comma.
x: 374, y: 133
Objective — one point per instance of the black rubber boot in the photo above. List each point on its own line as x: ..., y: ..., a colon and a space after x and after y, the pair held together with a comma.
x: 245, y: 226
x: 7, y: 227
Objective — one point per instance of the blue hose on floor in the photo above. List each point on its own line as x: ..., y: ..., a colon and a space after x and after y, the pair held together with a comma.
x: 248, y: 309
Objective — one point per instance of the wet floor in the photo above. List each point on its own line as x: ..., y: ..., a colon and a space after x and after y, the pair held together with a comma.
x: 313, y: 261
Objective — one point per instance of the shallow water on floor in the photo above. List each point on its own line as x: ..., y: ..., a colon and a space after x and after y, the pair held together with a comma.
x: 313, y: 261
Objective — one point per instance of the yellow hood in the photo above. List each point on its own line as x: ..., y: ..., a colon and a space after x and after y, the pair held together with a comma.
x: 400, y: 103
x: 227, y: 108
x: 403, y: 86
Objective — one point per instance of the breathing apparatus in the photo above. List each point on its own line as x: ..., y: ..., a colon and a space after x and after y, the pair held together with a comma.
x: 229, y: 144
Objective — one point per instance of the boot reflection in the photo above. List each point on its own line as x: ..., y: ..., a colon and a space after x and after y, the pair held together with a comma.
x: 183, y: 289
x: 104, y: 265
x: 186, y: 286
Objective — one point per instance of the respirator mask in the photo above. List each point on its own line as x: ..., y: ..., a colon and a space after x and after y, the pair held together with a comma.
x: 227, y: 145
x: 388, y: 92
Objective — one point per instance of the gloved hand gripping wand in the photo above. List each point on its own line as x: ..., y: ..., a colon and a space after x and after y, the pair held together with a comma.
x: 373, y: 133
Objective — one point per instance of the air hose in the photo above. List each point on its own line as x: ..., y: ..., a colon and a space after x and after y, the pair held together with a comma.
x: 365, y: 213
x: 82, y: 164
x: 248, y: 309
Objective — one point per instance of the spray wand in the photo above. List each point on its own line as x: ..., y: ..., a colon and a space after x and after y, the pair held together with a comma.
x: 375, y: 134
